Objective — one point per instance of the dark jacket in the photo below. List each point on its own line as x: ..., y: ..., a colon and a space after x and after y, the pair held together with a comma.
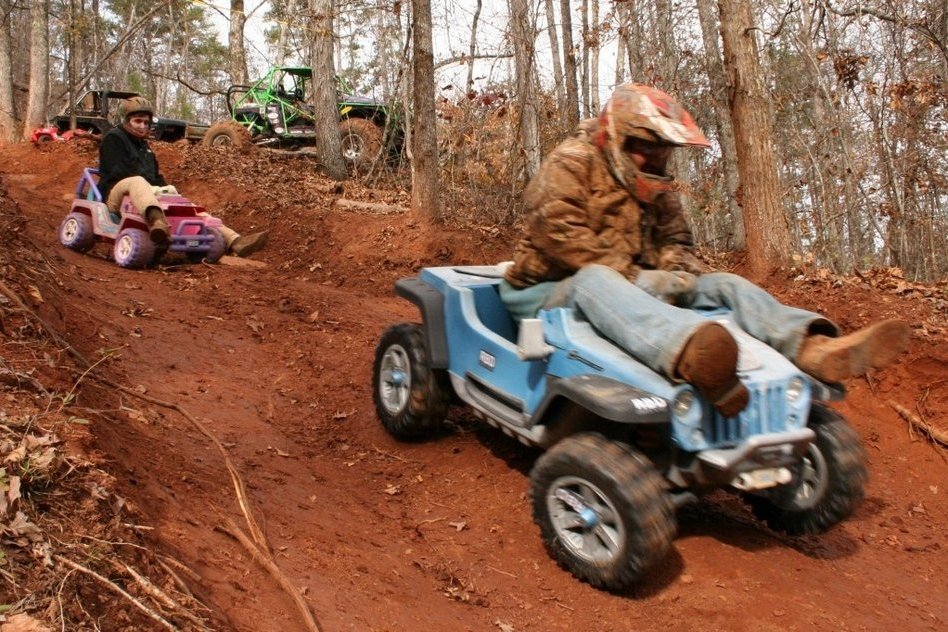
x: 122, y: 155
x: 579, y: 214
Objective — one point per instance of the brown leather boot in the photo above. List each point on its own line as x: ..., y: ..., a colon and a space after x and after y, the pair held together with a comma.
x: 246, y: 245
x: 709, y: 363
x: 872, y: 347
x: 160, y: 231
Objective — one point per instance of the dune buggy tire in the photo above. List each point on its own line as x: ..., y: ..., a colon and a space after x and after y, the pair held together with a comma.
x: 133, y: 248
x: 76, y: 232
x: 218, y: 249
x: 828, y: 483
x: 227, y: 134
x: 603, y: 510
x: 411, y: 398
x: 361, y: 142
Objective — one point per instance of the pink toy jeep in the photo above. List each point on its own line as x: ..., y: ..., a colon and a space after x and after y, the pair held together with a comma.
x: 193, y: 232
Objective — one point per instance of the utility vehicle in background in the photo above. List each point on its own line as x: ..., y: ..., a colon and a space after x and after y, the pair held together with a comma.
x: 95, y: 111
x: 274, y: 112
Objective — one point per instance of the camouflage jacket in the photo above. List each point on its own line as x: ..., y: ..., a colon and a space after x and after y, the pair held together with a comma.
x: 579, y: 214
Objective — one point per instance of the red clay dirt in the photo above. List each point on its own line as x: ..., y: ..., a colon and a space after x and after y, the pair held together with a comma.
x: 275, y: 360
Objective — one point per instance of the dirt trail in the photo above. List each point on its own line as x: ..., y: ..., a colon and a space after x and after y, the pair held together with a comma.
x: 381, y: 535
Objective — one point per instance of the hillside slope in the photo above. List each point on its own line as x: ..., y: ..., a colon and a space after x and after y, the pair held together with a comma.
x: 274, y: 361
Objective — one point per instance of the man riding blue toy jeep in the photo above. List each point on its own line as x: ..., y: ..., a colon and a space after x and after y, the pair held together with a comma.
x: 647, y: 378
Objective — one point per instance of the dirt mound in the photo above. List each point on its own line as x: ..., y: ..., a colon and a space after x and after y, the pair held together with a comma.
x: 274, y: 362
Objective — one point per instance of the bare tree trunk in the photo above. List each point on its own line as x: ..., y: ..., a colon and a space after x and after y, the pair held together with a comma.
x: 722, y: 121
x: 622, y: 52
x: 39, y: 67
x: 282, y: 43
x: 584, y: 58
x: 328, y: 139
x: 469, y: 86
x: 524, y: 35
x: 630, y: 35
x: 768, y: 236
x: 237, y: 56
x: 668, y: 80
x: 557, y: 65
x: 668, y: 60
x: 425, y: 190
x: 594, y: 46
x: 569, y: 66
x: 8, y: 124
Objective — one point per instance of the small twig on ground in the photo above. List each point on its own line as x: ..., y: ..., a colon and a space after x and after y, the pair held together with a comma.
x: 392, y: 456
x: 114, y: 588
x: 68, y: 396
x: 497, y: 570
x: 935, y: 434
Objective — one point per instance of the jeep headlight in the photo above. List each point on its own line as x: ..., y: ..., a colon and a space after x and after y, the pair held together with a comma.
x: 795, y: 389
x: 683, y: 403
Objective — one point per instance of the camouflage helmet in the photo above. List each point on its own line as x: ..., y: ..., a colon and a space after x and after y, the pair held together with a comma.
x: 135, y: 105
x: 639, y: 111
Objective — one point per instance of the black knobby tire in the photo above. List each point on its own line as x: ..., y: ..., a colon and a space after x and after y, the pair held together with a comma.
x: 76, y: 232
x: 227, y: 134
x: 827, y: 486
x: 411, y: 398
x: 361, y: 142
x: 602, y: 509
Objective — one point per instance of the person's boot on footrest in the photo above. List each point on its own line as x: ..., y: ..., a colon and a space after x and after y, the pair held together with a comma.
x: 159, y: 230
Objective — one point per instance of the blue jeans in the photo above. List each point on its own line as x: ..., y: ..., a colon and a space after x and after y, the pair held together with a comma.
x: 655, y: 332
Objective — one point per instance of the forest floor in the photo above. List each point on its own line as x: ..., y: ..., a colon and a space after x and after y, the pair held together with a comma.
x: 255, y: 375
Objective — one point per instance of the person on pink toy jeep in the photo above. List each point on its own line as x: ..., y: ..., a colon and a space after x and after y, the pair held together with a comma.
x: 127, y: 166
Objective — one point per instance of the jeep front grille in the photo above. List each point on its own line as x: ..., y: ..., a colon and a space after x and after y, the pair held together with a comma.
x: 766, y: 412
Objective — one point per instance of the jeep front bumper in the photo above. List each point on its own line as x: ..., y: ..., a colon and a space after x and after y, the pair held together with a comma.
x: 766, y: 454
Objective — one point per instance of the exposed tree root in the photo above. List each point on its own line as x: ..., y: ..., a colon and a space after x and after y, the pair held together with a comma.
x: 935, y: 434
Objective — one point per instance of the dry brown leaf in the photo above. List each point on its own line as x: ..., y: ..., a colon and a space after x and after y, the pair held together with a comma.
x: 23, y: 622
x: 35, y: 293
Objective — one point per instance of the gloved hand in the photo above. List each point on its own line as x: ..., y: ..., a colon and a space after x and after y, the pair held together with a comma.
x: 675, y: 288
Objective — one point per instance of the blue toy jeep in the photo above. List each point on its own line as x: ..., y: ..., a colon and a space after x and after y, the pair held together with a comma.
x: 625, y: 447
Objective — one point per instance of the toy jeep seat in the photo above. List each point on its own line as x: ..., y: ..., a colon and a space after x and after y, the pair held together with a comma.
x: 489, y: 307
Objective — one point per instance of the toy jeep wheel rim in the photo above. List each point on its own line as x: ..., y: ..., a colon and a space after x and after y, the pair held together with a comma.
x: 812, y: 479
x: 395, y: 379
x: 71, y: 229
x: 124, y: 247
x: 585, y: 520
